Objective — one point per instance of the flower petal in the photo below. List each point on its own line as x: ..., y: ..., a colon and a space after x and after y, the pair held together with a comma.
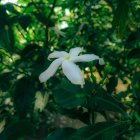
x: 73, y: 73
x: 101, y: 61
x: 75, y: 51
x: 85, y: 58
x: 57, y: 54
x: 44, y: 76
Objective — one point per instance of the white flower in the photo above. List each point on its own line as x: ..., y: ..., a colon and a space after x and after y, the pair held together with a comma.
x: 70, y: 69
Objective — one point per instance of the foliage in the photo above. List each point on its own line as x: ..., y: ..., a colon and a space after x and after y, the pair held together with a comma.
x: 31, y: 30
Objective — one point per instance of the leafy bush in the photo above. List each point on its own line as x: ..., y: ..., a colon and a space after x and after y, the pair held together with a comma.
x: 107, y: 107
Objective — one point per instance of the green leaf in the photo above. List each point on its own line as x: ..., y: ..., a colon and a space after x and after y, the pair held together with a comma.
x: 60, y: 134
x: 4, y: 38
x: 23, y: 96
x: 17, y: 129
x: 121, y: 16
x: 134, y: 36
x: 6, y: 31
x: 137, y: 136
x: 7, y: 39
x: 32, y: 56
x: 136, y: 85
x: 42, y: 18
x: 134, y: 53
x: 109, y: 104
x: 100, y: 131
x: 68, y: 95
x: 104, y: 101
x: 24, y: 21
x: 112, y: 84
x: 30, y: 51
x: 10, y: 7
x: 5, y: 78
x: 3, y: 16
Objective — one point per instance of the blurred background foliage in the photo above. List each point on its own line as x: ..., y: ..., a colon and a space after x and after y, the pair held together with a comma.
x: 108, y: 107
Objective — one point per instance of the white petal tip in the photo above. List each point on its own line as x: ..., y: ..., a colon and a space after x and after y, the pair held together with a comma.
x: 49, y: 57
x: 82, y: 86
x: 82, y: 83
x: 101, y: 61
x: 82, y: 49
x: 42, y: 78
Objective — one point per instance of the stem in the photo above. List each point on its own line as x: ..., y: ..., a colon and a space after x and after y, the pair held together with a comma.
x: 90, y: 105
x: 52, y: 9
x: 92, y: 76
x: 46, y: 44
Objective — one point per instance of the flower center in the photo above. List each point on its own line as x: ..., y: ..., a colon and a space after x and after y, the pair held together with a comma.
x: 67, y: 57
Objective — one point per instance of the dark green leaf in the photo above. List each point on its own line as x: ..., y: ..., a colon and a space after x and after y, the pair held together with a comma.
x: 23, y: 96
x: 7, y: 39
x: 5, y: 78
x: 100, y: 131
x: 112, y: 84
x: 134, y: 36
x: 60, y: 134
x: 121, y: 16
x: 16, y: 129
x: 3, y: 16
x: 42, y: 18
x: 68, y: 95
x: 24, y: 21
x: 104, y: 101
x: 109, y: 104
x: 10, y: 7
x: 30, y: 51
x: 4, y: 38
x: 135, y: 53
x: 136, y: 85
